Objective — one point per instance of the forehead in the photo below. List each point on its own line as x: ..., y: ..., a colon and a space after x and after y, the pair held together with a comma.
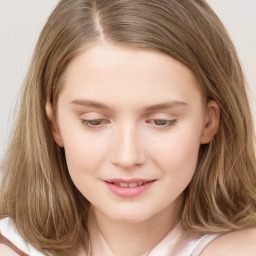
x: 105, y: 71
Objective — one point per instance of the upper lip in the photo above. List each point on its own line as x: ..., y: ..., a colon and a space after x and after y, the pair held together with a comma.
x: 135, y: 180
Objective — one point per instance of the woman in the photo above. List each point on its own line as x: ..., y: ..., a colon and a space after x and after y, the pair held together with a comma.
x: 134, y: 136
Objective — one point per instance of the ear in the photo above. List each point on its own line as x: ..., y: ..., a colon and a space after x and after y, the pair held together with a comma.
x: 55, y: 130
x: 211, y: 122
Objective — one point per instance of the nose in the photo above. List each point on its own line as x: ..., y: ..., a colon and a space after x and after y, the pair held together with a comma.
x: 127, y: 148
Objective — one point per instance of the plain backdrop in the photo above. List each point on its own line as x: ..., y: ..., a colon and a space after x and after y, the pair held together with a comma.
x: 22, y: 20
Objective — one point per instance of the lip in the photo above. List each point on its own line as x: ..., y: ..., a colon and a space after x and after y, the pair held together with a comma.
x: 128, y: 192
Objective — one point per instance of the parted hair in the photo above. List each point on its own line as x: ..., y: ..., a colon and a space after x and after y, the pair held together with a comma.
x: 37, y: 191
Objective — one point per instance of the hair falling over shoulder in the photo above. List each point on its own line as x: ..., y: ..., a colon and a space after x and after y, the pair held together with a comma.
x: 37, y: 191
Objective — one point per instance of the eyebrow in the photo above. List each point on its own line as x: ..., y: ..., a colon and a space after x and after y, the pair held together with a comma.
x: 166, y: 105
x: 102, y: 106
x: 90, y: 103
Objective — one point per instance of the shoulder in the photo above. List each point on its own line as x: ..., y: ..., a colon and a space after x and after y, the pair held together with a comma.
x: 5, y: 250
x: 6, y: 236
x: 236, y: 243
x: 10, y: 238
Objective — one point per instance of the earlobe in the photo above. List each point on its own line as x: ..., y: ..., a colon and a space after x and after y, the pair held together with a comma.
x: 55, y: 130
x: 211, y: 122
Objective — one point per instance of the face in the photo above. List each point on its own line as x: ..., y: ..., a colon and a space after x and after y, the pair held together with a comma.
x: 131, y: 123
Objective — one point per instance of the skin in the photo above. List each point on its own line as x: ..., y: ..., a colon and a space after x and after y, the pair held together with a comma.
x: 128, y: 114
x: 131, y: 143
x: 4, y: 250
x: 236, y: 243
x: 242, y: 242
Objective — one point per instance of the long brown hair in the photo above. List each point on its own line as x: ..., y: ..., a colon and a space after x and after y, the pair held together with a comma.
x: 37, y: 192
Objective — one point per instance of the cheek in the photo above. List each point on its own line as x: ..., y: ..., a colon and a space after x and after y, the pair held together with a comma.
x: 177, y: 155
x: 84, y: 155
x: 84, y: 160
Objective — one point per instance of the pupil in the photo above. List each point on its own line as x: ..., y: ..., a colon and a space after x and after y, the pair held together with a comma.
x: 160, y: 122
x: 95, y: 122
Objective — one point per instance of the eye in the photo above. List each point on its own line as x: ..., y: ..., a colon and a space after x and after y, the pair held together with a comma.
x: 162, y: 123
x: 93, y: 122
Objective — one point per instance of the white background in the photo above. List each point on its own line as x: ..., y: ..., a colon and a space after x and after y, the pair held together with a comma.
x: 22, y: 20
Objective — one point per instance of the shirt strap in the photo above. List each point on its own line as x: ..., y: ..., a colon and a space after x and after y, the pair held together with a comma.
x: 203, y: 243
x: 5, y: 241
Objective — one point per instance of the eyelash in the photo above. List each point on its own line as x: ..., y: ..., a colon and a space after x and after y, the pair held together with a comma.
x: 98, y: 123
x: 166, y: 123
x: 89, y: 123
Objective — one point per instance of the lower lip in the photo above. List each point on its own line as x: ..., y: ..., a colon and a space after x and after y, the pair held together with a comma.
x: 127, y: 192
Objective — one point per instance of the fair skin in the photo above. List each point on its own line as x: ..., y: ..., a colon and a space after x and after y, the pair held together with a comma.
x: 126, y: 117
x: 5, y: 250
x: 236, y: 243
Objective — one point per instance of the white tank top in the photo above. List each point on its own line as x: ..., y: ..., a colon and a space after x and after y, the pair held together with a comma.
x: 179, y: 243
x: 189, y: 246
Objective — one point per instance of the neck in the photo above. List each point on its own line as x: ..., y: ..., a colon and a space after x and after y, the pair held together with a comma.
x: 110, y: 237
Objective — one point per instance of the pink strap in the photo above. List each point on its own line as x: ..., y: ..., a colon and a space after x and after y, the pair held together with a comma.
x: 202, y: 244
x: 5, y: 241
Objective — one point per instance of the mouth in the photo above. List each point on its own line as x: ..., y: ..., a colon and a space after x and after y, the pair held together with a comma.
x: 129, y: 185
x: 128, y: 188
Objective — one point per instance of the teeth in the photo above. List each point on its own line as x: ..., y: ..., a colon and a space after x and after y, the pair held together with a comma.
x: 123, y: 185
x: 132, y: 185
x: 128, y: 185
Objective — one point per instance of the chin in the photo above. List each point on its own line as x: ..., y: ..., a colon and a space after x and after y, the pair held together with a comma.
x: 129, y: 219
x: 130, y: 216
